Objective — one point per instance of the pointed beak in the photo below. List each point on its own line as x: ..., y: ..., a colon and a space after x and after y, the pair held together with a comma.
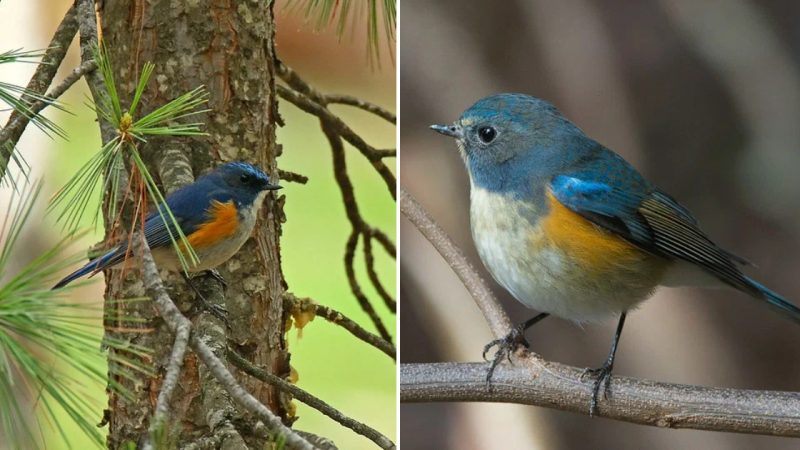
x: 453, y: 131
x: 273, y: 187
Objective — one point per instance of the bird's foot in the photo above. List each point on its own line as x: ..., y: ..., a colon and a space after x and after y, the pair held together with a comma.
x: 506, y: 345
x: 213, y: 273
x: 215, y: 310
x: 602, y: 378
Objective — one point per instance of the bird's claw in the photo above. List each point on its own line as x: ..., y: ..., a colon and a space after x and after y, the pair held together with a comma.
x: 506, y: 346
x: 602, y: 377
x: 215, y: 310
x: 213, y: 273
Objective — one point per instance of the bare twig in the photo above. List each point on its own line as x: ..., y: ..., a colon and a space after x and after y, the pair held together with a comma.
x: 286, y: 175
x: 369, y: 261
x: 290, y: 303
x: 359, y: 227
x: 532, y: 381
x: 310, y: 100
x: 310, y: 400
x: 497, y: 318
x: 358, y: 103
x: 336, y: 125
x: 176, y: 321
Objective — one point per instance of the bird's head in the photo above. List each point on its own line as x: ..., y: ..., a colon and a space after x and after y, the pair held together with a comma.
x: 244, y: 179
x: 511, y: 130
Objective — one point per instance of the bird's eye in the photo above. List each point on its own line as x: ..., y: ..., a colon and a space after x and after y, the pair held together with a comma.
x: 245, y: 178
x: 487, y: 134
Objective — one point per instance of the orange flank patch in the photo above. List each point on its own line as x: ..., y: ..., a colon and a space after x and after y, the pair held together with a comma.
x: 595, y: 248
x: 223, y: 222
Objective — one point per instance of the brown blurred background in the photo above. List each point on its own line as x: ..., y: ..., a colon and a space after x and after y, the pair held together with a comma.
x: 704, y: 98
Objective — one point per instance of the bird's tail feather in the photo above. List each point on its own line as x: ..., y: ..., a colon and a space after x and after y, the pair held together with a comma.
x: 777, y: 302
x: 109, y: 259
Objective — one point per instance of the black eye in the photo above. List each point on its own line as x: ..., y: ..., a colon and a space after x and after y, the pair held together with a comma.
x: 487, y: 134
x: 245, y: 178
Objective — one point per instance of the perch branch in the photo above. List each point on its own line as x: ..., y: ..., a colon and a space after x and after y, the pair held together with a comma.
x: 310, y: 400
x: 290, y: 302
x: 531, y: 381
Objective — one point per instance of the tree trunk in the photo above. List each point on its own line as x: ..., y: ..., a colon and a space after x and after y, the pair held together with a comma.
x: 226, y: 46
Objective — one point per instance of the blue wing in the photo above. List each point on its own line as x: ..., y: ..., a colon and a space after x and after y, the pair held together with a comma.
x: 188, y: 206
x: 655, y: 222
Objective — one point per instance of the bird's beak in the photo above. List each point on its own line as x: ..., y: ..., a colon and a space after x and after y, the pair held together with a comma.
x: 453, y: 131
x: 273, y: 187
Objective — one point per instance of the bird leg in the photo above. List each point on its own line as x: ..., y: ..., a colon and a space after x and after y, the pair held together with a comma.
x: 508, y: 344
x: 213, y: 273
x: 602, y: 375
x: 217, y: 311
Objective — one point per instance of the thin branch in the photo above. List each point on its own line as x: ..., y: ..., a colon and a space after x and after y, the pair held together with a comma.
x: 170, y: 381
x: 290, y: 302
x: 175, y: 321
x: 39, y: 82
x: 365, y: 105
x: 495, y: 316
x: 531, y: 381
x: 310, y: 400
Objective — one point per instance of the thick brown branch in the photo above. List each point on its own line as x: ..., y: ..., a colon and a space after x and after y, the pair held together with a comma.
x: 531, y: 381
x: 491, y: 309
x: 310, y: 400
x: 290, y: 302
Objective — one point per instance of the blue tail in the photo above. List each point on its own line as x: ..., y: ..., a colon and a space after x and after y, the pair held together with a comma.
x: 777, y: 302
x: 109, y: 259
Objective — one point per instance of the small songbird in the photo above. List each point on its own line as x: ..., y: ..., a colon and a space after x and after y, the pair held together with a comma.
x: 216, y: 213
x: 571, y: 229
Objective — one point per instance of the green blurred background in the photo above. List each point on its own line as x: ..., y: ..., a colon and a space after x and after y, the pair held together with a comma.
x: 348, y: 374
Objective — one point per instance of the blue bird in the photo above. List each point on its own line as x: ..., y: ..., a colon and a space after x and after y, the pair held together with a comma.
x: 216, y: 213
x: 571, y: 229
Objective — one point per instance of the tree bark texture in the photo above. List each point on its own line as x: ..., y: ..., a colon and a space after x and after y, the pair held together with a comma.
x: 226, y: 46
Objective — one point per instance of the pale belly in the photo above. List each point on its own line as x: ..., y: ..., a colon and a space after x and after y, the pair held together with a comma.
x: 544, y: 275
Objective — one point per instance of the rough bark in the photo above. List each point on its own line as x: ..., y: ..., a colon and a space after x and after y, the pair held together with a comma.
x: 226, y: 46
